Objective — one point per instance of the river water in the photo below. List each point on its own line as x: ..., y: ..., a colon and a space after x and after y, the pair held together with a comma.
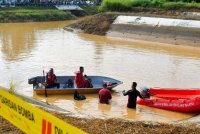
x: 26, y: 49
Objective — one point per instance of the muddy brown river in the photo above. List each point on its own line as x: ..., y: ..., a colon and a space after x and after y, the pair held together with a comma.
x: 26, y: 49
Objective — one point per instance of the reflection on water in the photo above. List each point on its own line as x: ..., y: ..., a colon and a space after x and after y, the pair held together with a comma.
x: 105, y: 109
x: 19, y: 38
x: 100, y: 41
x: 26, y: 49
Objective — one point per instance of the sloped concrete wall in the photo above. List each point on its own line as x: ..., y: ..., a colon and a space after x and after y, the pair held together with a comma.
x: 164, y: 30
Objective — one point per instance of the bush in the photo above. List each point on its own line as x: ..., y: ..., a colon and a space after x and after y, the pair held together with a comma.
x: 126, y: 5
x: 141, y: 3
x: 174, y: 5
x: 158, y: 3
x: 116, y: 5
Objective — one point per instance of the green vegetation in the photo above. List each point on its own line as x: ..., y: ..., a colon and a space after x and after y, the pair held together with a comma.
x: 91, y: 10
x: 127, y: 5
x: 12, y: 88
x: 25, y: 14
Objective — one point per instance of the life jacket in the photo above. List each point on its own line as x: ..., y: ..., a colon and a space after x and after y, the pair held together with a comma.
x: 79, y: 80
x: 51, y: 78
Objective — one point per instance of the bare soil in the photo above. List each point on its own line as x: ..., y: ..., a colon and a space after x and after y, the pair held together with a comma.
x: 99, y: 24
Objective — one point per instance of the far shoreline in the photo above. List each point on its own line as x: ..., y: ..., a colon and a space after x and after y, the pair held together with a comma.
x: 102, y: 24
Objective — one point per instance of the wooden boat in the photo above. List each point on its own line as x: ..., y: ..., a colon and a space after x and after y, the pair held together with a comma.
x: 175, y: 99
x: 97, y: 82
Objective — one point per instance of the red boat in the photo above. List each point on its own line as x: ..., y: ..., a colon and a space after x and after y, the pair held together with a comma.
x: 175, y: 99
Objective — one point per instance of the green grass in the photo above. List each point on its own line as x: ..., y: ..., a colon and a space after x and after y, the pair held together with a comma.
x: 115, y: 5
x: 179, y: 5
x: 91, y: 10
x: 12, y: 88
x: 20, y: 14
x: 127, y: 5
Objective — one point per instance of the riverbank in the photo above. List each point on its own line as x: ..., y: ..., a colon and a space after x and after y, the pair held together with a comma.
x: 33, y: 14
x: 105, y: 126
x: 42, y: 13
x: 108, y: 126
x: 99, y: 24
x: 102, y: 24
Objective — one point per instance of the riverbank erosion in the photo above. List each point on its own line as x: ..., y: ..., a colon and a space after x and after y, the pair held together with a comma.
x: 97, y: 24
x: 176, y: 29
x: 108, y: 126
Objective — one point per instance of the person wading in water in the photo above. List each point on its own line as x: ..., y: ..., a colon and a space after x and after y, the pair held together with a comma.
x: 132, y: 95
x: 104, y: 95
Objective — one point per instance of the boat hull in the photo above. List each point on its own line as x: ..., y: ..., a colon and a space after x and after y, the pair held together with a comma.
x: 175, y: 99
x: 97, y: 82
x: 176, y: 93
x: 187, y: 106
x: 66, y: 91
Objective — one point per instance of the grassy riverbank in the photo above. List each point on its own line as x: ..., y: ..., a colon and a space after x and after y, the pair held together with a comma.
x: 128, y: 5
x: 29, y: 14
x: 100, y: 126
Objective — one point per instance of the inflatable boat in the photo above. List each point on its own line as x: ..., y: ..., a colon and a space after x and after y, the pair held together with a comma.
x: 175, y: 99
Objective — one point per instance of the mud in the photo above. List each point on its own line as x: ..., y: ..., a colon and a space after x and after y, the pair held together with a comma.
x: 102, y: 24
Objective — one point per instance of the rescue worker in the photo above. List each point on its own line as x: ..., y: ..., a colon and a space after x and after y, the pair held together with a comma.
x: 82, y: 81
x: 79, y: 78
x: 132, y: 95
x: 51, y: 80
x: 104, y: 95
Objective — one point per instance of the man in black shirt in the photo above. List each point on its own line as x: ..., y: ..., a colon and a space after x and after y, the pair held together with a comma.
x: 132, y: 96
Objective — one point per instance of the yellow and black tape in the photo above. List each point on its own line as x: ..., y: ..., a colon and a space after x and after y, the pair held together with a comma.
x: 30, y: 119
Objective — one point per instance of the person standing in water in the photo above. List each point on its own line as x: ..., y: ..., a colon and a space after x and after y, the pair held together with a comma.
x: 104, y: 95
x: 132, y: 95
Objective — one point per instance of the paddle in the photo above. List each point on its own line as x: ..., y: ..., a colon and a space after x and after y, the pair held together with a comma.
x: 45, y: 84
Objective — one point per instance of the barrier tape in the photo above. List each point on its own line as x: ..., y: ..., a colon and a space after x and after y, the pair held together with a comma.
x: 30, y: 119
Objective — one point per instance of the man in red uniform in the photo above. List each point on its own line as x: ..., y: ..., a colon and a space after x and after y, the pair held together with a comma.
x: 51, y: 80
x: 79, y: 78
x: 104, y: 95
x: 132, y: 96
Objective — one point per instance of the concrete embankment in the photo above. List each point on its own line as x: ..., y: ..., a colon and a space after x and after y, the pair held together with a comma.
x: 163, y: 30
